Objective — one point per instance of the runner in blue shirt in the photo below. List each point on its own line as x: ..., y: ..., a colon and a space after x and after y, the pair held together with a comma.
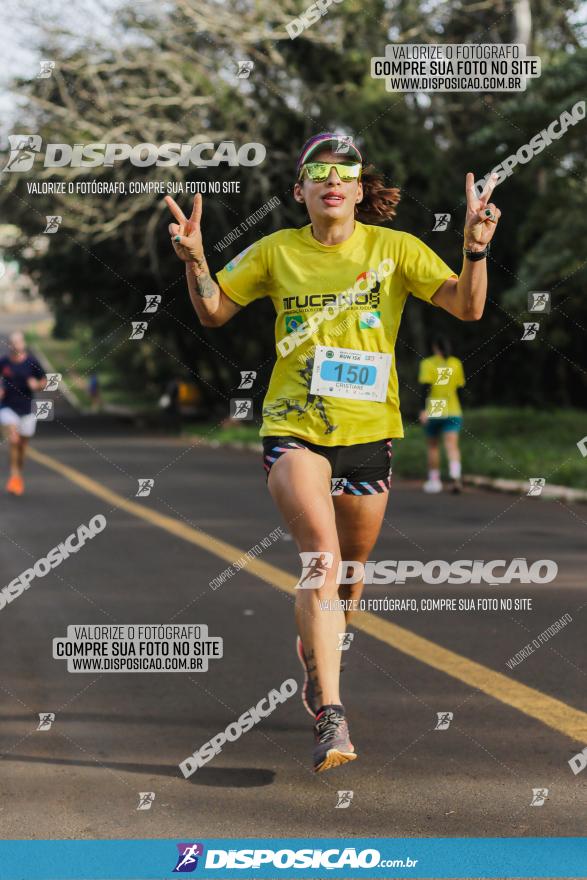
x: 20, y: 376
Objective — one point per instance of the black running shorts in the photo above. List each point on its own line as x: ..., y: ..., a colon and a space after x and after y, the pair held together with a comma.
x: 360, y: 469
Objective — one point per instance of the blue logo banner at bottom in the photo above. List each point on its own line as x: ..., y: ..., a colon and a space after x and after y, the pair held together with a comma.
x: 288, y: 858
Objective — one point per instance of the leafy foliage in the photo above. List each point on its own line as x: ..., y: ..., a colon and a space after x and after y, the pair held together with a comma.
x: 171, y: 76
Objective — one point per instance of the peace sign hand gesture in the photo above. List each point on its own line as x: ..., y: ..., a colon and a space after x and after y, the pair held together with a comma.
x: 482, y: 216
x: 186, y: 235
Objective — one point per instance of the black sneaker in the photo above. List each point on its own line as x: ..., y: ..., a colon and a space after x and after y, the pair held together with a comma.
x: 333, y: 745
x: 456, y: 487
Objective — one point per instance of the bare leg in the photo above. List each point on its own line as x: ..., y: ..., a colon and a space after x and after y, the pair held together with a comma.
x: 358, y: 522
x: 20, y: 453
x: 13, y: 440
x: 451, y: 444
x: 433, y: 454
x: 299, y: 483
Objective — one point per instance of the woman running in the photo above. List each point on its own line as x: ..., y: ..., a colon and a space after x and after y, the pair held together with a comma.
x: 338, y: 286
x: 20, y: 376
x: 441, y: 376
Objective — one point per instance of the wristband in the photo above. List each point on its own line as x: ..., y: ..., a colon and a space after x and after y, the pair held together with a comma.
x: 474, y: 256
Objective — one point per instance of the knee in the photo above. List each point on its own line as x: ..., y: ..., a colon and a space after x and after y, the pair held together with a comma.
x: 315, y: 540
x: 312, y: 599
x: 317, y: 581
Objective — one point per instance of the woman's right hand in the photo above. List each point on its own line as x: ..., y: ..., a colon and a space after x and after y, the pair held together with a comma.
x: 186, y: 235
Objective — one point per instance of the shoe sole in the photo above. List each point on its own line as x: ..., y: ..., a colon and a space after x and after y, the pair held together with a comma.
x: 299, y: 649
x: 335, y: 758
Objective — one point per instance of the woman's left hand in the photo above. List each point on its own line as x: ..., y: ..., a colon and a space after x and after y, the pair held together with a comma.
x: 482, y: 215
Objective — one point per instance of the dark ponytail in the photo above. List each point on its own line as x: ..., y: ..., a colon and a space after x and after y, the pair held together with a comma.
x: 442, y: 344
x: 379, y: 200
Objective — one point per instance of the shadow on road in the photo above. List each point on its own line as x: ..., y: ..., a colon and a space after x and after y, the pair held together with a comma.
x: 218, y: 777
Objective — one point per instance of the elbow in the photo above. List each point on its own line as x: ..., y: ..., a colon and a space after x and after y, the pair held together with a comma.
x: 211, y: 321
x: 473, y: 314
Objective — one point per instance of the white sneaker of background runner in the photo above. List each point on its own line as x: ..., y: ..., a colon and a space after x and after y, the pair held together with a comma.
x: 433, y: 484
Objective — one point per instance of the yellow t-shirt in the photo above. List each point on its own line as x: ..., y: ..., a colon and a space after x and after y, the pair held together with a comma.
x: 304, y: 277
x: 444, y: 375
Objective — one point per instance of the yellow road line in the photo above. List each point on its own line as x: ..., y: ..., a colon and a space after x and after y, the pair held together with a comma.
x: 550, y: 711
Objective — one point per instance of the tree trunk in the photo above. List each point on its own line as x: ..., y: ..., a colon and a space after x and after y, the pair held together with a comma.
x: 523, y: 23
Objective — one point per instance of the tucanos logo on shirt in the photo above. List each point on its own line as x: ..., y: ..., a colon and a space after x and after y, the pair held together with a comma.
x: 236, y: 260
x: 369, y: 320
x: 370, y: 298
x: 292, y: 322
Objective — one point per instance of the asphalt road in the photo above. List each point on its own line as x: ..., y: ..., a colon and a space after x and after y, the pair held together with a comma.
x: 116, y: 735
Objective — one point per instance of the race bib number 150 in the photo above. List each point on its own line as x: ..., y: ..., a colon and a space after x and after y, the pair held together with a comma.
x: 351, y: 373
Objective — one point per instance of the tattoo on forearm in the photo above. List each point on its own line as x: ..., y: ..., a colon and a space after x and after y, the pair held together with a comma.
x: 205, y: 286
